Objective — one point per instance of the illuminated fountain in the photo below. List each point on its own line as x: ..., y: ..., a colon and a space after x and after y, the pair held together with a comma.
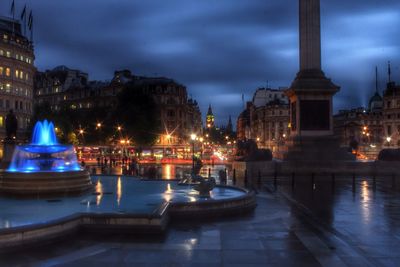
x: 44, y: 166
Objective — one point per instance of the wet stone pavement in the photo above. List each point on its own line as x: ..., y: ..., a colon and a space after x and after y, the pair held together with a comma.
x: 305, y: 226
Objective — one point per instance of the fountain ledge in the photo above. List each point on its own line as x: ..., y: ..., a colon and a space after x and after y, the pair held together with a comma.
x: 152, y: 223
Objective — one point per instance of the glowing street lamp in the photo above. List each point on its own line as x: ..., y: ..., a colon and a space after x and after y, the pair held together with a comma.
x: 389, y: 139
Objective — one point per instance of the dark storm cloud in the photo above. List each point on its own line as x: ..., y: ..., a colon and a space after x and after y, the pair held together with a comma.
x: 218, y: 49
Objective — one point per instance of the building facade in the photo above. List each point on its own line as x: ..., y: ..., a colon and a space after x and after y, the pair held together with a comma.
x: 243, y: 123
x: 391, y: 115
x: 63, y: 87
x: 16, y: 76
x: 266, y: 119
x: 361, y: 128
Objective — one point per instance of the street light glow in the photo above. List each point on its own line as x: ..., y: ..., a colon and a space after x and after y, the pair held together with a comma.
x: 193, y: 136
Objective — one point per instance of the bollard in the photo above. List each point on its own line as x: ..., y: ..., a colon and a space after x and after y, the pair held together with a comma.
x: 394, y: 180
x: 293, y: 175
x: 225, y: 176
x: 234, y: 177
x: 209, y: 172
x: 245, y: 178
x: 312, y: 180
x: 354, y: 182
x: 374, y: 182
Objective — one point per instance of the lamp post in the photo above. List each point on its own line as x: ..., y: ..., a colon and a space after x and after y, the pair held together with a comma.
x: 193, y: 138
x: 388, y: 139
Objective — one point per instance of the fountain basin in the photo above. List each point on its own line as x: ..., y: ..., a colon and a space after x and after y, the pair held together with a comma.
x: 45, y: 183
x: 44, y: 167
x: 123, y: 204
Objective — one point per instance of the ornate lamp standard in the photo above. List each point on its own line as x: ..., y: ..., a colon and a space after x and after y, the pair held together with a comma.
x: 193, y: 138
x: 388, y: 139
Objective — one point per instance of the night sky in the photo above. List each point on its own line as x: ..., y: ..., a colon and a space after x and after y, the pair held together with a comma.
x: 218, y: 49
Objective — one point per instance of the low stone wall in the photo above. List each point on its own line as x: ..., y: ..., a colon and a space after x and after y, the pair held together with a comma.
x: 142, y: 223
x: 282, y: 168
x: 45, y: 183
x: 215, y: 208
x: 153, y: 223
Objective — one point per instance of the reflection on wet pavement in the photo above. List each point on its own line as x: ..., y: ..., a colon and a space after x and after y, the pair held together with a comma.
x: 301, y: 226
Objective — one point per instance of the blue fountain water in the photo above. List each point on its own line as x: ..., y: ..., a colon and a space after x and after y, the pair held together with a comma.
x: 44, y: 134
x: 44, y: 153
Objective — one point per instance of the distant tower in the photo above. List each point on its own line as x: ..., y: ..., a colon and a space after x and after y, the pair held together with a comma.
x: 229, y: 127
x: 210, y: 118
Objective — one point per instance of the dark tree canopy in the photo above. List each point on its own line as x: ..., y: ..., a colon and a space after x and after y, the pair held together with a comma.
x: 139, y: 115
x: 11, y: 125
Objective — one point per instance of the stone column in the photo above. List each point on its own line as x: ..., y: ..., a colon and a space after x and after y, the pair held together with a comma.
x: 310, y: 35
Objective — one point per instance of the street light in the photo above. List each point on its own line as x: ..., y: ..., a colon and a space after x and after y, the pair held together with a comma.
x: 193, y: 138
x: 388, y: 139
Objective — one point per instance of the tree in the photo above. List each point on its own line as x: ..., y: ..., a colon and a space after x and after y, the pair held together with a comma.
x: 138, y: 113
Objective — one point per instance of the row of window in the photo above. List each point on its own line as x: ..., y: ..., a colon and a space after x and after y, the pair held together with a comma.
x: 390, y: 104
x: 7, y: 88
x: 18, y: 74
x: 7, y: 53
x: 389, y: 129
x: 16, y: 105
x: 23, y: 122
x: 393, y: 116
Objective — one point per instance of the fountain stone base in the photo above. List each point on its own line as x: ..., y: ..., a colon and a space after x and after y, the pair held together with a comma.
x: 45, y: 183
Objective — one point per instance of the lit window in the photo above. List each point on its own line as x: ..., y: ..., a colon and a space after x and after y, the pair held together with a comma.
x: 8, y: 87
x: 17, y: 73
x: 17, y: 56
x: 1, y: 121
x: 1, y: 52
x: 1, y: 70
x: 8, y: 72
x: 5, y: 37
x: 8, y: 54
x: 21, y: 75
x: 26, y: 77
